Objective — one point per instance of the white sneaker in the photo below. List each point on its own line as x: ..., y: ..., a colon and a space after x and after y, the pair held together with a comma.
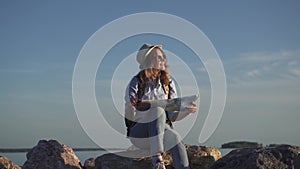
x: 159, y: 165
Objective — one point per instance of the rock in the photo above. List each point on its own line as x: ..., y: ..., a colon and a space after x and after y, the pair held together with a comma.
x: 5, y: 163
x: 51, y: 154
x: 202, y: 156
x: 113, y: 161
x: 89, y: 163
x: 199, y: 157
x: 297, y: 161
x: 281, y: 157
x: 195, y: 151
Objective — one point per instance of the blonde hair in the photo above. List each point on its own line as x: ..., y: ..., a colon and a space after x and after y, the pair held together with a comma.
x: 154, y: 74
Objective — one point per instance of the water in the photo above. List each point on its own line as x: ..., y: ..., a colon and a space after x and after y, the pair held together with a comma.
x: 17, y: 158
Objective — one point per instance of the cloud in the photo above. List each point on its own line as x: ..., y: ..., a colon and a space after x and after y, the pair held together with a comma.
x: 263, y: 66
x: 254, y: 73
x: 295, y: 72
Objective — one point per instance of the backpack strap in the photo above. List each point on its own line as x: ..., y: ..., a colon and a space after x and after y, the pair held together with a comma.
x: 140, y: 93
x: 167, y: 91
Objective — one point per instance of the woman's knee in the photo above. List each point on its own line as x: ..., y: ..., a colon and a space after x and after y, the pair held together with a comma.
x: 157, y: 109
x: 157, y: 113
x: 172, y: 138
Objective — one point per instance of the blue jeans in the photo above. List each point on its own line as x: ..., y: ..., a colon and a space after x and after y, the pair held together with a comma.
x: 159, y: 137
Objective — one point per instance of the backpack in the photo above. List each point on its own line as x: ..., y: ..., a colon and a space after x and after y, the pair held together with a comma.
x: 141, y: 88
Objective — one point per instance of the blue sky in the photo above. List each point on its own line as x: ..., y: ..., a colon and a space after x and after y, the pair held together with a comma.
x: 257, y: 41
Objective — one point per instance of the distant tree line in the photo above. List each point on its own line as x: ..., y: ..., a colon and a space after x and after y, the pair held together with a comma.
x: 241, y: 144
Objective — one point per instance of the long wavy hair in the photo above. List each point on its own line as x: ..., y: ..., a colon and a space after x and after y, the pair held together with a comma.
x: 150, y: 73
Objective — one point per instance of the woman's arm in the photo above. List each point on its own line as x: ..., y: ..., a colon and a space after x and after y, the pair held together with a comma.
x: 131, y: 95
x: 186, y: 111
x: 131, y: 98
x: 176, y: 116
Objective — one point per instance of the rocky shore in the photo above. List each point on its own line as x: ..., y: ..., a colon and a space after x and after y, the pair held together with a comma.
x: 52, y: 154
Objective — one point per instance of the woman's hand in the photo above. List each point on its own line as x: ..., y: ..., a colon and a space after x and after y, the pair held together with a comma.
x: 191, y: 109
x: 185, y: 112
x: 129, y: 108
x: 129, y: 111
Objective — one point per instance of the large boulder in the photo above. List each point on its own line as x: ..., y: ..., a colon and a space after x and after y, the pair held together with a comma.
x: 281, y: 157
x: 5, y: 163
x: 51, y: 154
x: 202, y: 156
x: 199, y: 157
x: 89, y: 163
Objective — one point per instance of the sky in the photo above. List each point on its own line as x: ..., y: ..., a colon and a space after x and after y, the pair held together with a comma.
x: 258, y: 43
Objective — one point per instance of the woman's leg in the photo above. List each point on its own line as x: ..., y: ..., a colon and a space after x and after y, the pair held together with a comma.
x: 156, y: 130
x: 173, y: 142
x: 158, y: 137
x: 150, y: 135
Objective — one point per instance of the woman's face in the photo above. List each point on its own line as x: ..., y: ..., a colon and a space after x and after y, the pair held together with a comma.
x: 159, y: 60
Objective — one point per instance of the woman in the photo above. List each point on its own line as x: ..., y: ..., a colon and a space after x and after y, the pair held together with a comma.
x: 152, y: 128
